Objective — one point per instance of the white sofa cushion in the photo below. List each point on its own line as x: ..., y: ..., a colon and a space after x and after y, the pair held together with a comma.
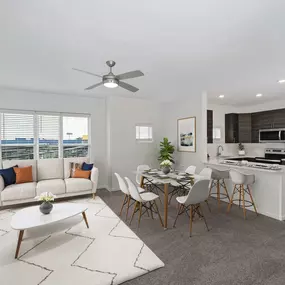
x: 19, y: 191
x: 22, y: 163
x: 50, y: 169
x: 78, y: 184
x: 55, y: 186
x: 67, y: 161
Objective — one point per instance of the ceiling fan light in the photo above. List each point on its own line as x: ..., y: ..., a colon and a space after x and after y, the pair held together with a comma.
x: 111, y: 83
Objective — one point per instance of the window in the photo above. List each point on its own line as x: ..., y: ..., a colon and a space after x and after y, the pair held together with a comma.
x: 75, y: 136
x: 32, y: 135
x: 48, y: 136
x: 17, y: 136
x: 217, y: 133
x: 144, y: 133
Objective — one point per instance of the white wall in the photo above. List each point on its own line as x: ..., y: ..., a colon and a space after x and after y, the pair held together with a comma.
x: 125, y: 154
x: 36, y: 101
x: 172, y: 112
x: 255, y: 149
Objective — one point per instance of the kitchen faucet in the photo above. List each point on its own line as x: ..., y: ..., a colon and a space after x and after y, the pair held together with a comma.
x: 218, y: 150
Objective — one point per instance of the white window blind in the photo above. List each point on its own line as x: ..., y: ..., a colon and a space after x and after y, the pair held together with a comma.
x: 17, y: 136
x: 144, y: 133
x: 48, y: 136
x: 75, y: 136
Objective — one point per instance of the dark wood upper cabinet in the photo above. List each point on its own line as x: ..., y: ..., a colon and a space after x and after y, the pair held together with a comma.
x: 231, y: 128
x: 244, y: 128
x: 210, y: 126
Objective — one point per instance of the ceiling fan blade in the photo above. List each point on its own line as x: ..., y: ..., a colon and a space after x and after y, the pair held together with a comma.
x: 131, y: 74
x: 128, y: 86
x: 87, y: 72
x: 94, y: 86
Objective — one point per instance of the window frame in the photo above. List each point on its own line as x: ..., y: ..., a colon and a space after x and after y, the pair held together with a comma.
x: 36, y: 143
x: 140, y: 140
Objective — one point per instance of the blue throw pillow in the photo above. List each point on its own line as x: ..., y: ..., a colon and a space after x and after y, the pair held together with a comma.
x: 9, y: 175
x: 86, y: 166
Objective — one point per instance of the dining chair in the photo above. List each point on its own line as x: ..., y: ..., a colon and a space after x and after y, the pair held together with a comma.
x: 191, y: 169
x: 127, y: 197
x: 148, y: 185
x: 143, y: 200
x: 207, y: 173
x: 192, y: 202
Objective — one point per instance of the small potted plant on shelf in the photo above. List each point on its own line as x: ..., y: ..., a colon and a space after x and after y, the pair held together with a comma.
x: 47, y: 198
x: 241, y: 150
x: 166, y: 166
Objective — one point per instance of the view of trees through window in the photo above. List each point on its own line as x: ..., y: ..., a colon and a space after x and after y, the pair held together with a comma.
x: 31, y: 136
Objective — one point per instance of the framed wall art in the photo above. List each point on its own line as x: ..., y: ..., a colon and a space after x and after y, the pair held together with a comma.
x: 186, y: 132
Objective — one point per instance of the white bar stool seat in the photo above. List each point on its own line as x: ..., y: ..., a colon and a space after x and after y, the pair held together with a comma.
x: 242, y: 183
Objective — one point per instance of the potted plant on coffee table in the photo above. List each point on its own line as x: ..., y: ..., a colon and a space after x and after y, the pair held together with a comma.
x: 47, y: 198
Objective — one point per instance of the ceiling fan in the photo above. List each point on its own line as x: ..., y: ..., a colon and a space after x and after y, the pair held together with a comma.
x: 111, y: 80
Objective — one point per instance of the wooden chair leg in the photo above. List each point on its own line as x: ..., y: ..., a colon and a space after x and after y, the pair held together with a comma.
x: 226, y: 190
x: 191, y: 220
x: 239, y: 199
x: 201, y: 211
x: 123, y: 204
x: 140, y: 215
x: 218, y: 194
x: 154, y: 203
x: 135, y: 208
x: 250, y: 195
x: 180, y: 206
x: 210, y: 190
x: 243, y: 202
x: 128, y: 206
x: 231, y: 201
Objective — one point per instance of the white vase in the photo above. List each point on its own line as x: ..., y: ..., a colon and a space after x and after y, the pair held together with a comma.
x: 241, y: 152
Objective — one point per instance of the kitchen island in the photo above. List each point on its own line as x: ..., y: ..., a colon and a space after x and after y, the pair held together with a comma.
x: 268, y: 190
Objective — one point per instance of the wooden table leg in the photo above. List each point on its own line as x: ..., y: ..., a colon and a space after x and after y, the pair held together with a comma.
x: 165, y: 205
x: 142, y: 182
x: 20, y: 238
x: 85, y: 219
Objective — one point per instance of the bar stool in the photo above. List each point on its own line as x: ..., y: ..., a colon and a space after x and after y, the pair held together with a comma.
x: 241, y: 185
x: 218, y: 181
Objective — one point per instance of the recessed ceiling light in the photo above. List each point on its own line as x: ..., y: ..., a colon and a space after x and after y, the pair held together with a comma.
x: 221, y: 96
x: 281, y: 81
x: 258, y: 95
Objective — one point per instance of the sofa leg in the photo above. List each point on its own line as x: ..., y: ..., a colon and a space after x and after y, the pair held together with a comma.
x: 94, y: 195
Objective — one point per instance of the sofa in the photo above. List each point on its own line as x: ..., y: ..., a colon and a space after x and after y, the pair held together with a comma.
x: 49, y: 175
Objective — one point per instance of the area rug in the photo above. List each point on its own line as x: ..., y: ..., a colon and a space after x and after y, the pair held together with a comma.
x: 69, y: 253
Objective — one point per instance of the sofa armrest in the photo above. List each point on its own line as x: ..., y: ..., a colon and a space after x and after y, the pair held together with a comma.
x: 94, y: 178
x: 2, y: 187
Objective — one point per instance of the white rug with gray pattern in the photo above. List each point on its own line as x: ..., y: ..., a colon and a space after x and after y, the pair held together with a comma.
x: 69, y: 253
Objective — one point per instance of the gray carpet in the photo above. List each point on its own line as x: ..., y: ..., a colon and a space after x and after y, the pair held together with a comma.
x: 234, y: 252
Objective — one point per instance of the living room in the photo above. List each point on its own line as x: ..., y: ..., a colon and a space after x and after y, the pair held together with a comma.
x: 78, y: 145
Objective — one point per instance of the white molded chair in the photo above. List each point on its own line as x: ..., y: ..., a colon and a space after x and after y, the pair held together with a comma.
x: 241, y: 183
x: 127, y: 197
x: 142, y: 200
x: 191, y: 169
x: 192, y: 202
x: 141, y: 168
x: 206, y: 172
x: 218, y: 182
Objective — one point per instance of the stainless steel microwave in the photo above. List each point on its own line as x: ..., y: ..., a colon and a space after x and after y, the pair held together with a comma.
x: 272, y: 135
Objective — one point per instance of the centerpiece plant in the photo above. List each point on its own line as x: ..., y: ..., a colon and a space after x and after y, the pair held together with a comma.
x: 166, y: 165
x: 47, y: 198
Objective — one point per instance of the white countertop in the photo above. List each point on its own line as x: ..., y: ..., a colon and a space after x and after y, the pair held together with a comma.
x: 217, y: 162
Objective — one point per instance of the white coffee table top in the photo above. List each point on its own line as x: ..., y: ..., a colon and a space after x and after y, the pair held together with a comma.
x: 31, y: 217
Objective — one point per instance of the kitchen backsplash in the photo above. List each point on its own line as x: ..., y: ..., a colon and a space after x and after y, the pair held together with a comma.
x: 251, y: 149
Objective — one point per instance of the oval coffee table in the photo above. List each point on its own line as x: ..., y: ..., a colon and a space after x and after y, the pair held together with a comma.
x: 31, y: 217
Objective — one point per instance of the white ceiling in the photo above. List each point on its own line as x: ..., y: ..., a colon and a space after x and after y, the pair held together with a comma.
x: 230, y: 47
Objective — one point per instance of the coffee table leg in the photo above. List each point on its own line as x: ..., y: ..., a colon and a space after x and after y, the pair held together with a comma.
x: 20, y: 238
x: 85, y: 219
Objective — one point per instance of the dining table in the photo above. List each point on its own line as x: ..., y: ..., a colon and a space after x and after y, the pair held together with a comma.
x: 162, y: 181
